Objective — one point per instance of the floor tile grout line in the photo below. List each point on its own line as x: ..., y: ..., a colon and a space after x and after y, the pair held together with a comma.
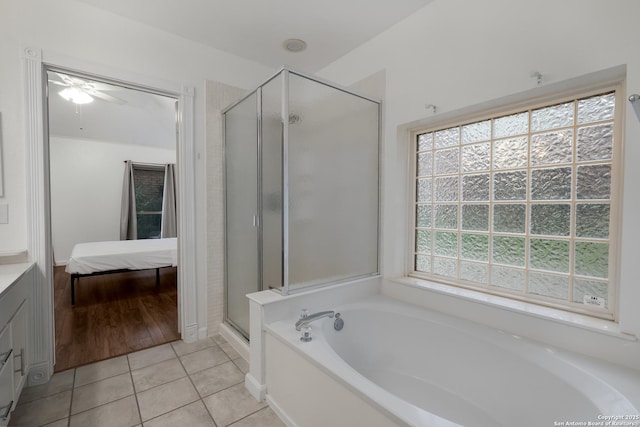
x: 208, y: 367
x: 100, y: 405
x: 247, y: 416
x: 135, y: 393
x: 196, y: 389
x: 73, y: 388
x: 101, y: 379
x: 186, y: 404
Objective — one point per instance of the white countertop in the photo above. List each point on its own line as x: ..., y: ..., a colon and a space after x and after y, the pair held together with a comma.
x: 10, y: 273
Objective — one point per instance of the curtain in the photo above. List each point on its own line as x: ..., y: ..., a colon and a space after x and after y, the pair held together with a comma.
x: 128, y: 218
x: 169, y: 226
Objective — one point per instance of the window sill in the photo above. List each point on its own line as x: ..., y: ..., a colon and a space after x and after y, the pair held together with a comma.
x: 582, y: 321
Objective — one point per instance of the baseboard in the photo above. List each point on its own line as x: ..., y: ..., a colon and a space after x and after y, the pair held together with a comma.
x: 190, y: 333
x: 238, y: 343
x: 203, y: 333
x: 255, y: 389
x: 280, y: 413
x: 39, y: 373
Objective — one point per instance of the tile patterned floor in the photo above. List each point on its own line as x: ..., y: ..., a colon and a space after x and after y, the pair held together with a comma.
x: 176, y: 384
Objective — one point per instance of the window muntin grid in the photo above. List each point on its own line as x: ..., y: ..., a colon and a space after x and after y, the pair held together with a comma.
x: 520, y: 204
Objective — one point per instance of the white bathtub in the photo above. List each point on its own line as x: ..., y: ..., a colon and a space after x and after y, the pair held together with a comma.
x: 416, y: 367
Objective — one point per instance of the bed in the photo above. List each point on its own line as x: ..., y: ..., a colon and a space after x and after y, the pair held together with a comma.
x: 97, y: 258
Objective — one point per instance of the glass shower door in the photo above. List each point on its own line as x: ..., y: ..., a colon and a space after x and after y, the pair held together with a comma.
x: 242, y: 220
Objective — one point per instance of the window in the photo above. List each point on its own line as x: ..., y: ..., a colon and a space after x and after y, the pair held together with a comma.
x: 149, y: 188
x: 522, y: 204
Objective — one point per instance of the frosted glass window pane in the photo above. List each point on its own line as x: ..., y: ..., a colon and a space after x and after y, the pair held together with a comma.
x: 592, y: 259
x: 424, y: 164
x: 551, y: 184
x: 549, y: 285
x: 476, y: 157
x: 475, y: 246
x: 447, y: 137
x: 423, y: 190
x: 510, y: 185
x: 475, y: 132
x: 447, y: 189
x: 425, y: 141
x: 556, y: 116
x: 509, y: 250
x: 447, y: 161
x: 551, y: 148
x: 596, y: 108
x: 423, y: 241
x: 423, y: 263
x: 423, y: 216
x: 509, y: 218
x: 445, y: 267
x: 511, y: 153
x: 594, y: 182
x: 446, y: 216
x: 475, y: 217
x: 475, y: 187
x: 550, y: 255
x: 474, y: 272
x: 508, y: 278
x: 590, y: 288
x: 595, y: 142
x: 446, y: 243
x: 592, y: 220
x: 514, y: 124
x: 551, y: 220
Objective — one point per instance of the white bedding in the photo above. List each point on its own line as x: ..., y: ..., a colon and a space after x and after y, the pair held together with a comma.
x: 87, y: 258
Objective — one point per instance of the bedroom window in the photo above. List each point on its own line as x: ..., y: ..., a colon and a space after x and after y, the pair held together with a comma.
x: 149, y: 188
x: 523, y: 204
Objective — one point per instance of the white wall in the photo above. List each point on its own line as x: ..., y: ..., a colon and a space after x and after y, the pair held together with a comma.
x: 78, y: 36
x: 459, y: 53
x: 75, y: 35
x: 86, y: 189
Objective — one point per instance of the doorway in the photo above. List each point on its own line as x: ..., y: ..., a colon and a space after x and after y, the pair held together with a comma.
x: 95, y: 126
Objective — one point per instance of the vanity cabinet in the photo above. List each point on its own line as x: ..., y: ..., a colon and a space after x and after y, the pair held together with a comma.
x: 15, y: 288
x: 6, y: 375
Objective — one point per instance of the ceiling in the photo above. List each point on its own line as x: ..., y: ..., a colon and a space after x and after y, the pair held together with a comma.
x: 256, y: 29
x: 118, y: 114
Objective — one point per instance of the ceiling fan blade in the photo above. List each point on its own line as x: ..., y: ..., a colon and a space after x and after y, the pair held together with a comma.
x: 106, y: 97
x: 66, y: 79
x: 105, y: 86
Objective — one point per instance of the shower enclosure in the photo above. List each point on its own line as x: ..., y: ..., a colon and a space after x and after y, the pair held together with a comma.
x: 302, y: 189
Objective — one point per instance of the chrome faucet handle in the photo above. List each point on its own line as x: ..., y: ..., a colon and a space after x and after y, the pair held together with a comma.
x: 304, y: 313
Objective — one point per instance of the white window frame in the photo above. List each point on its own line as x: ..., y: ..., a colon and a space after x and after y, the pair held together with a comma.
x: 534, y: 102
x: 154, y: 168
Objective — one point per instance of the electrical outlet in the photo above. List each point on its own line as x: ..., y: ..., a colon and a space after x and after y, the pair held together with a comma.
x: 4, y: 213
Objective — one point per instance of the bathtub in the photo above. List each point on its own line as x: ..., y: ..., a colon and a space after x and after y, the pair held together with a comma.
x: 395, y: 364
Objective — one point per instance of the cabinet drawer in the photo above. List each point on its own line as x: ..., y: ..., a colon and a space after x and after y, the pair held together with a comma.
x: 5, y: 339
x: 6, y: 356
x: 6, y: 374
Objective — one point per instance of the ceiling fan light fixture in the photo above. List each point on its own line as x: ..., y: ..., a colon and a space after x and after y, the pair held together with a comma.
x: 294, y: 45
x: 75, y: 95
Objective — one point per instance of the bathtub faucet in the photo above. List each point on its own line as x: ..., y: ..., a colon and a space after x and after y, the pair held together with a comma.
x: 306, y: 318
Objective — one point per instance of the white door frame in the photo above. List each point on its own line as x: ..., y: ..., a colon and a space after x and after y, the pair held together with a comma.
x: 42, y: 351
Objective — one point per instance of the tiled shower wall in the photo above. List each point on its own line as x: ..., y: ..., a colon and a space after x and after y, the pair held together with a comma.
x: 218, y: 97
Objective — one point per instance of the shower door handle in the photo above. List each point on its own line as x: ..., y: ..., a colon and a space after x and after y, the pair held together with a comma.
x: 256, y: 221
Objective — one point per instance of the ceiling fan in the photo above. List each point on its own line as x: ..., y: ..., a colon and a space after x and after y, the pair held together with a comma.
x: 81, y: 91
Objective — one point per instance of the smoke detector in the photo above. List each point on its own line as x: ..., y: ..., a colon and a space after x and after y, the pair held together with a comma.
x: 294, y: 45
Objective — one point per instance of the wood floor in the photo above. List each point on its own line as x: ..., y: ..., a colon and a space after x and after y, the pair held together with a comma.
x: 114, y: 314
